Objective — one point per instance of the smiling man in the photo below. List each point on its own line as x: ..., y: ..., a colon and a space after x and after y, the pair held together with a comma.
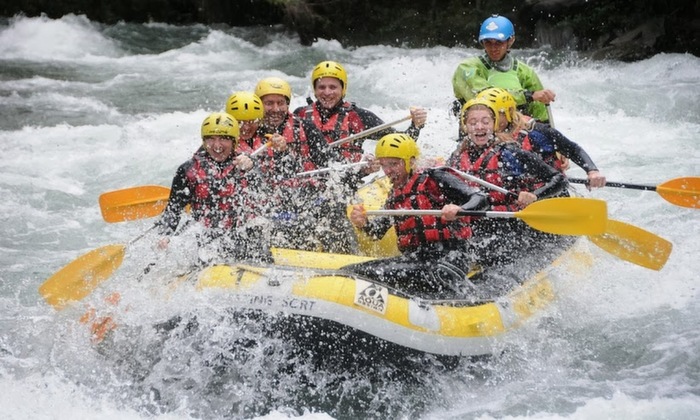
x: 497, y: 68
x: 338, y: 118
x: 295, y: 145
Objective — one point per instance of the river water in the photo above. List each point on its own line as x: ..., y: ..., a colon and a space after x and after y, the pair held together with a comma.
x: 88, y: 108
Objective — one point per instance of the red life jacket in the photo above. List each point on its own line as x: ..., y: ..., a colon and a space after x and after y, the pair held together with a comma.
x: 295, y: 135
x: 524, y: 140
x: 490, y: 167
x: 217, y: 194
x: 267, y: 163
x: 422, y: 192
x: 297, y: 144
x: 249, y: 146
x: 461, y: 161
x: 340, y: 125
x: 486, y: 168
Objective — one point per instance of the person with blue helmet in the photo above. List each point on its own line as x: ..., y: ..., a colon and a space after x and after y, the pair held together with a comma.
x: 497, y: 68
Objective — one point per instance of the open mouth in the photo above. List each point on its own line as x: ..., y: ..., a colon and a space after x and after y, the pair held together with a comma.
x: 480, y: 136
x: 327, y: 101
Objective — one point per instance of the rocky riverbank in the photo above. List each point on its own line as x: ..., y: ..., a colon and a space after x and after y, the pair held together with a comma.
x: 600, y: 29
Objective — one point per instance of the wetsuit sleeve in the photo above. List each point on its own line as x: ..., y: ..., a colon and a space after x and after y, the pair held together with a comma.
x: 469, y: 79
x: 457, y: 191
x: 568, y: 148
x: 554, y: 181
x: 370, y: 119
x: 377, y: 227
x: 180, y: 196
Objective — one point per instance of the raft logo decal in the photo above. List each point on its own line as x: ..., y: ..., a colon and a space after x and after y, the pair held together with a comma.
x: 371, y: 296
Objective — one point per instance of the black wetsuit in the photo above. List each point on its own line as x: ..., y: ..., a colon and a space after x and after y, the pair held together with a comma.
x: 222, y: 198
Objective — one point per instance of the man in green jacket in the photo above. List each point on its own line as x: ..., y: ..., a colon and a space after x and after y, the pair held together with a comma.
x: 497, y: 68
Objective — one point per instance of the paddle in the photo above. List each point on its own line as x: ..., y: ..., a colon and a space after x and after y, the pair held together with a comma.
x: 623, y: 240
x: 549, y: 115
x: 634, y: 244
x: 261, y: 148
x: 368, y: 132
x: 684, y: 191
x: 81, y: 276
x: 561, y: 216
x: 133, y: 203
x: 333, y: 168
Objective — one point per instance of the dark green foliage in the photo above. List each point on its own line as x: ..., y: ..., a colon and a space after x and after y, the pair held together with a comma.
x: 660, y: 25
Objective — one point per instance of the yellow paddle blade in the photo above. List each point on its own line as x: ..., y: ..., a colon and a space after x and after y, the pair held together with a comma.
x: 79, y: 278
x: 373, y: 196
x: 566, y: 216
x: 634, y: 244
x: 683, y: 191
x: 133, y: 203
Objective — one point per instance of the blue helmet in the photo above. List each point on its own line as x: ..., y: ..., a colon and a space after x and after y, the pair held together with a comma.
x: 496, y: 27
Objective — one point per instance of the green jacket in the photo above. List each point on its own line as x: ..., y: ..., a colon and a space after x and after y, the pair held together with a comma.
x: 478, y: 73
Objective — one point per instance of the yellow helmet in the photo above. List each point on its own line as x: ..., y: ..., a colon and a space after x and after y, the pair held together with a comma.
x: 273, y: 85
x: 501, y: 102
x: 397, y: 145
x: 220, y: 124
x: 245, y: 106
x: 330, y: 69
x: 476, y: 101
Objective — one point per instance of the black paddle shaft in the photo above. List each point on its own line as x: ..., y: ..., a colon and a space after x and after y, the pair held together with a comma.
x: 617, y: 184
